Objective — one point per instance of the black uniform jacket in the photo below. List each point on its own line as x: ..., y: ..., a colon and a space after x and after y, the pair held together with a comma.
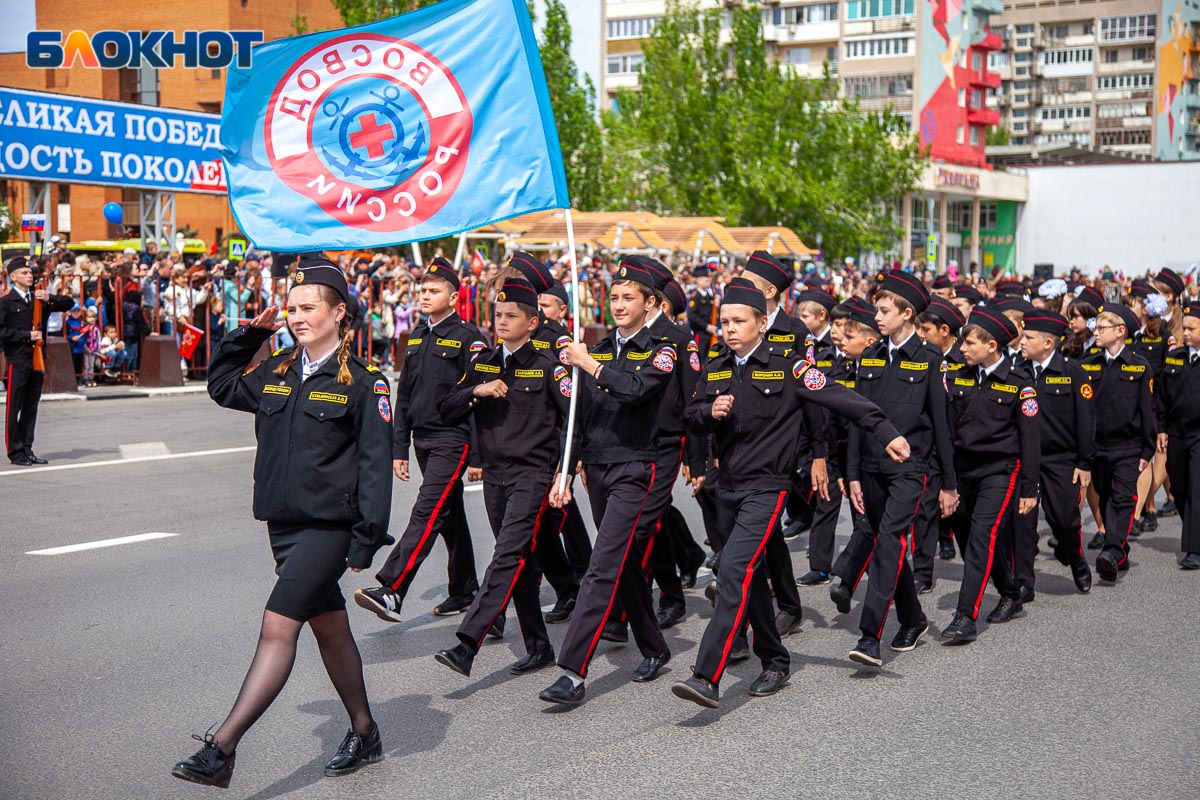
x: 617, y: 413
x: 1125, y: 423
x: 700, y: 313
x: 1177, y: 393
x: 324, y: 449
x: 756, y: 441
x: 434, y: 361
x: 911, y: 392
x: 679, y: 391
x: 16, y: 322
x: 550, y: 337
x: 1066, y: 413
x: 996, y: 422
x: 517, y: 435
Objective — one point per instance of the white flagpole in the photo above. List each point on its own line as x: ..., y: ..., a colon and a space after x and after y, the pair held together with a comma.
x: 574, y: 370
x: 462, y: 248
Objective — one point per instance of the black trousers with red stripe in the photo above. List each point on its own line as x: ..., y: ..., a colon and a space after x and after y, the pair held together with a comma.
x: 1183, y: 468
x: 564, y: 549
x: 20, y: 413
x: 675, y: 552
x: 926, y: 531
x: 851, y: 563
x: 893, y: 504
x: 617, y: 493
x: 438, y: 510
x: 753, y: 520
x: 824, y: 528
x: 988, y: 497
x: 1116, y: 479
x: 515, y: 511
x: 658, y: 560
x: 1059, y: 498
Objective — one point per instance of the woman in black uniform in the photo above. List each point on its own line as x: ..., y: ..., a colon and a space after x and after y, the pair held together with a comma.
x: 323, y: 485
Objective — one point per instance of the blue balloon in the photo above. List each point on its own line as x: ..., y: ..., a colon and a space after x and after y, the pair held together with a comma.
x: 114, y: 213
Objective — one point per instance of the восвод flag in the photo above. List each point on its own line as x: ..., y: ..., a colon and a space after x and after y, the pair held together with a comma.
x: 416, y: 127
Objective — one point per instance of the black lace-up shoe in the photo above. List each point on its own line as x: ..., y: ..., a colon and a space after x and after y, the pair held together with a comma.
x: 209, y: 766
x: 700, y: 691
x: 867, y: 652
x: 357, y: 750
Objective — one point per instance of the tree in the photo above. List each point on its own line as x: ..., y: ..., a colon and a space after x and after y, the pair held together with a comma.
x: 997, y: 136
x: 724, y: 130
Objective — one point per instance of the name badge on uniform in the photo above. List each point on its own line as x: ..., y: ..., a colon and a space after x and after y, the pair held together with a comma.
x: 488, y: 368
x: 1176, y: 362
x: 413, y: 342
x: 918, y: 365
x: 1151, y: 339
x: 529, y: 373
x: 781, y: 337
x: 724, y: 374
x: 271, y: 388
x: 873, y: 362
x: 826, y: 364
x: 1007, y: 388
x: 602, y: 356
x: 637, y: 356
x: 847, y: 384
x: 1058, y: 380
x: 449, y: 343
x: 1092, y: 367
x: 765, y: 375
x: 1132, y: 368
x: 329, y: 397
x: 964, y: 381
x: 540, y: 345
x: 713, y: 353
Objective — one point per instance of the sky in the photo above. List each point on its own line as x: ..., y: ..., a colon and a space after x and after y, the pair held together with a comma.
x: 20, y: 18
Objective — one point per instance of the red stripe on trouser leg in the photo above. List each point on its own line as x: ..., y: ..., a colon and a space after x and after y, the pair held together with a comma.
x: 912, y: 526
x: 739, y: 617
x: 1125, y: 541
x: 866, y: 563
x: 1078, y: 500
x: 412, y: 559
x: 521, y: 562
x: 987, y: 572
x: 617, y: 583
x: 658, y: 521
x: 8, y: 408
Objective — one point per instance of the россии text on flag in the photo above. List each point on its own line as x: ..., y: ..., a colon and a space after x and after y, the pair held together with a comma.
x: 415, y: 127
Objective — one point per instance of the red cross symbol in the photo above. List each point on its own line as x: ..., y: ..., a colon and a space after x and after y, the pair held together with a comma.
x: 371, y: 136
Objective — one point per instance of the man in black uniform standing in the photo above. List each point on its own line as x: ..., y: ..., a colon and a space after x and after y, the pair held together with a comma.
x: 1178, y: 410
x: 700, y: 309
x: 438, y: 354
x: 21, y: 334
x: 1067, y: 427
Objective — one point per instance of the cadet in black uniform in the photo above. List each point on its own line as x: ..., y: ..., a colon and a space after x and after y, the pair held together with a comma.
x: 751, y: 398
x: 1067, y: 427
x: 902, y: 375
x: 438, y: 354
x: 322, y: 484
x: 700, y: 306
x: 623, y: 379
x: 994, y: 409
x: 1151, y: 342
x: 519, y: 397
x: 565, y: 547
x: 939, y: 325
x: 1178, y: 410
x: 966, y: 297
x: 18, y: 334
x: 1125, y: 431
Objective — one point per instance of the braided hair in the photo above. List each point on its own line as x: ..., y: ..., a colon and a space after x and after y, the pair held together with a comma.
x: 331, y: 299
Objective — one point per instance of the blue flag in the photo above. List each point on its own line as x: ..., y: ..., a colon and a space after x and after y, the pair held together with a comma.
x: 419, y: 126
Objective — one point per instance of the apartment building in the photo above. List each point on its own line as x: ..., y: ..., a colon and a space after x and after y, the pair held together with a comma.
x: 1120, y: 75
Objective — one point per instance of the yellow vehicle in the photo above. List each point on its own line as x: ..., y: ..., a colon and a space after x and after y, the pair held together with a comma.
x: 13, y: 249
x: 191, y: 247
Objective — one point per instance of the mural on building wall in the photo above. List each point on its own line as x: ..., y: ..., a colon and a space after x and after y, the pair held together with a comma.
x: 945, y: 33
x: 1177, y: 111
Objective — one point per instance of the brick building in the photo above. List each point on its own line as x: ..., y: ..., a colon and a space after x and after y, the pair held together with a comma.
x: 191, y: 89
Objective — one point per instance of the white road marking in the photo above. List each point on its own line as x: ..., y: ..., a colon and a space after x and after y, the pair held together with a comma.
x: 144, y: 450
x: 11, y: 473
x: 75, y: 548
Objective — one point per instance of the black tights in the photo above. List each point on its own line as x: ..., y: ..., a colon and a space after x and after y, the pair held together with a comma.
x: 272, y: 665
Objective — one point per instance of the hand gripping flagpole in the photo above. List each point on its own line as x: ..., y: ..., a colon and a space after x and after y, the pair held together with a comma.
x: 566, y: 459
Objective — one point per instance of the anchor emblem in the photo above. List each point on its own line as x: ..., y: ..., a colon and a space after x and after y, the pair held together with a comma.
x: 371, y: 137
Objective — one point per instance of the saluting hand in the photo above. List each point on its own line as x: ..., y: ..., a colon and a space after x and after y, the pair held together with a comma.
x: 266, y: 321
x: 722, y: 406
x: 898, y: 449
x: 496, y: 388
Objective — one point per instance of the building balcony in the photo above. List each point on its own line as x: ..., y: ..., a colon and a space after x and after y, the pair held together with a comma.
x: 1117, y: 123
x: 983, y: 116
x: 991, y: 41
x: 1062, y: 126
x: 901, y: 103
x: 811, y: 32
x: 1191, y: 101
x: 992, y: 7
x: 1191, y: 129
x: 989, y: 79
x: 1109, y: 41
x: 622, y: 80
x: 1124, y: 66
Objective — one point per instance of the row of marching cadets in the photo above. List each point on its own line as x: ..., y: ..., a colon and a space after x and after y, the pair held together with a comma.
x: 938, y: 418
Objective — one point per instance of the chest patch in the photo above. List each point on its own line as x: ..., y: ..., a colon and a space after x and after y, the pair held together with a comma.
x: 329, y: 397
x: 529, y: 373
x: 381, y: 387
x: 722, y: 375
x: 273, y: 389
x: 385, y: 409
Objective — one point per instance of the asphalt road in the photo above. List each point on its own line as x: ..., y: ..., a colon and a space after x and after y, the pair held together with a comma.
x: 110, y: 658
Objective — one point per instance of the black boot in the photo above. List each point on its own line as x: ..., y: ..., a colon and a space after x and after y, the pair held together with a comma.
x: 209, y: 766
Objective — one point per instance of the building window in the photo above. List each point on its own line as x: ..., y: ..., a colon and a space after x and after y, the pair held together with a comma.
x: 1110, y: 56
x: 879, y: 48
x: 1138, y: 80
x: 1024, y: 29
x: 958, y: 134
x: 976, y: 98
x: 1020, y: 113
x: 1143, y: 54
x: 1118, y: 138
x: 636, y: 28
x: 1129, y: 27
x: 626, y: 64
x: 997, y: 60
x: 1023, y: 58
x: 1084, y: 139
x: 974, y: 136
x: 962, y: 97
x: 866, y: 87
x: 1079, y: 55
x: 797, y: 55
x: 1122, y: 110
x: 987, y: 215
x: 874, y: 9
x: 805, y: 15
x: 139, y: 85
x: 1048, y: 113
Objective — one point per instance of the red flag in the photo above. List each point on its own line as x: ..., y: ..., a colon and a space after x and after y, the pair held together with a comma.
x: 190, y: 340
x: 477, y: 264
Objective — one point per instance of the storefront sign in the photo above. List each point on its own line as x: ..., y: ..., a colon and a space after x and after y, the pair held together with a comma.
x: 962, y: 180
